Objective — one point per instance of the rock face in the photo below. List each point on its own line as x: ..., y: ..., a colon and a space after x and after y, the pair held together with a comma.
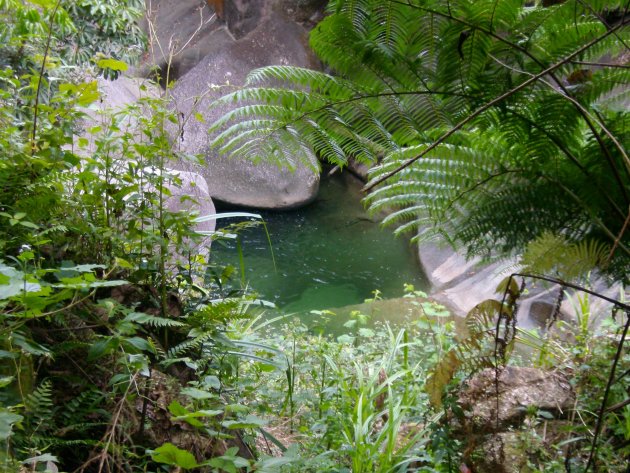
x: 191, y: 194
x: 501, y: 447
x: 243, y: 16
x: 188, y: 191
x: 519, y: 389
x: 124, y: 91
x: 306, y: 11
x: 241, y: 182
x: 461, y: 284
x: 180, y: 31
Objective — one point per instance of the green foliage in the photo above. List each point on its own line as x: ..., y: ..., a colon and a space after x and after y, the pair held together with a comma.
x: 81, y: 209
x: 110, y: 29
x: 107, y: 343
x: 354, y: 402
x: 77, y: 32
x: 169, y: 454
x: 554, y: 255
x: 467, y: 137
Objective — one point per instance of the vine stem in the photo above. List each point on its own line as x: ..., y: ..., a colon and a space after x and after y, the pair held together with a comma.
x: 41, y: 75
x: 611, y: 380
x: 611, y: 375
x: 618, y: 239
x: 491, y: 104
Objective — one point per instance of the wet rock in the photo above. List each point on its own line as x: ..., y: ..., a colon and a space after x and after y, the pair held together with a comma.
x: 520, y: 390
x: 240, y: 181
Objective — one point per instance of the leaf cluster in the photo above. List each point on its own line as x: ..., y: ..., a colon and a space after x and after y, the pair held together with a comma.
x: 488, y: 123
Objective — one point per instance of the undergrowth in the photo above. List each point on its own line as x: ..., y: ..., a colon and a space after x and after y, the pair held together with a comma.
x: 125, y: 347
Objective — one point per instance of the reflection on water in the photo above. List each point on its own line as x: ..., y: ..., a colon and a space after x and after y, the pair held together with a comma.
x: 328, y: 254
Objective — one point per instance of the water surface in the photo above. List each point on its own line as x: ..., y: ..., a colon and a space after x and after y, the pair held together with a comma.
x: 328, y: 254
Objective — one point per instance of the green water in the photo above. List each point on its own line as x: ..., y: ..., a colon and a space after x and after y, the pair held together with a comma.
x: 329, y: 254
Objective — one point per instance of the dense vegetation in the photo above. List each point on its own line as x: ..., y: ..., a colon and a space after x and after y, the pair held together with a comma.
x: 498, y: 125
x: 117, y: 356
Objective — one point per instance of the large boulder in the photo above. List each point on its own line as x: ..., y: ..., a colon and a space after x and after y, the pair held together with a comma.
x: 304, y: 11
x: 460, y: 284
x: 243, y: 16
x: 187, y: 191
x: 276, y: 41
x: 519, y: 390
x: 180, y: 31
x: 179, y: 36
x: 497, y: 432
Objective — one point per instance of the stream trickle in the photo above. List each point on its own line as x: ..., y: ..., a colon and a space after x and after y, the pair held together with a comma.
x: 328, y: 254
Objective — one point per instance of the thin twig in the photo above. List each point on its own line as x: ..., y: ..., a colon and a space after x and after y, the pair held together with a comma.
x: 41, y: 75
x: 618, y: 239
x: 601, y: 64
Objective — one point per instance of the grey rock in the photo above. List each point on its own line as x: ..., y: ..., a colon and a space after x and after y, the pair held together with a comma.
x: 244, y: 16
x: 501, y: 453
x: 115, y: 96
x: 512, y: 451
x: 359, y: 170
x: 188, y: 191
x: 460, y: 284
x: 239, y: 181
x: 519, y: 389
x: 190, y: 194
x: 179, y: 36
x: 543, y: 313
x: 124, y: 91
x: 310, y: 11
x: 442, y: 264
x: 180, y: 31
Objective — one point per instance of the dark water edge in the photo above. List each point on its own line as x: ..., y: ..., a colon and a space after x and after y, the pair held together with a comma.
x: 328, y: 254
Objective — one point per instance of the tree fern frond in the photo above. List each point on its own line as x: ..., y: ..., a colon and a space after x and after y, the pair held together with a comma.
x: 194, y: 343
x: 553, y: 254
x: 281, y: 114
x: 153, y: 320
x: 482, y: 118
x: 39, y: 409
